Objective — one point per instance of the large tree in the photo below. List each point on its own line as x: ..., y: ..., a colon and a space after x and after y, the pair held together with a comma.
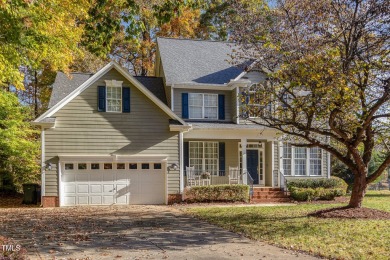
x: 328, y: 77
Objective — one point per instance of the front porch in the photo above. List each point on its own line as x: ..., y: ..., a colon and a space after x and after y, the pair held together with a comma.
x: 231, y: 161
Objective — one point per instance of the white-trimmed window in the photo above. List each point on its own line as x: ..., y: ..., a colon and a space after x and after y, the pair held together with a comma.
x: 315, y: 161
x: 302, y: 161
x: 204, y: 157
x: 114, y: 96
x: 203, y: 106
x: 287, y: 159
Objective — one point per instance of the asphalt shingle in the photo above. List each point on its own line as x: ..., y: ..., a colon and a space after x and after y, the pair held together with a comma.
x: 196, y: 61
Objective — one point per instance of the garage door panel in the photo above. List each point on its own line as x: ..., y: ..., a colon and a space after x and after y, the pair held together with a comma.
x: 108, y: 177
x: 95, y: 200
x: 82, y: 188
x: 82, y: 177
x: 68, y: 178
x: 108, y: 188
x: 95, y: 177
x: 70, y: 188
x: 70, y: 200
x: 108, y: 200
x: 82, y: 200
x: 122, y: 176
x: 96, y: 188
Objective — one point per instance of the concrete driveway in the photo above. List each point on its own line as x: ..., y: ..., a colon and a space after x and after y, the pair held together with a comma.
x: 128, y: 232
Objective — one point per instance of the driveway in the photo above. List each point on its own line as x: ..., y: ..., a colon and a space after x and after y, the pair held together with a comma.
x: 128, y: 232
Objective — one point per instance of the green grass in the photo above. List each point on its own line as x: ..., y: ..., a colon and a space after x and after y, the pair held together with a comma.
x: 290, y: 227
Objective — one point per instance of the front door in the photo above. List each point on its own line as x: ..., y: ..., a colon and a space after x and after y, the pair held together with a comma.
x: 252, y: 164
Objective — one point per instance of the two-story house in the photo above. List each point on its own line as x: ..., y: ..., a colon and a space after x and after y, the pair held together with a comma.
x: 113, y: 138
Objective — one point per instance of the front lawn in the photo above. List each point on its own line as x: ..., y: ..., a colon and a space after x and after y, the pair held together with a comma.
x: 290, y: 227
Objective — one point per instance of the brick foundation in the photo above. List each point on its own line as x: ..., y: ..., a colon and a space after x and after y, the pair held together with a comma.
x: 50, y: 201
x: 174, y: 198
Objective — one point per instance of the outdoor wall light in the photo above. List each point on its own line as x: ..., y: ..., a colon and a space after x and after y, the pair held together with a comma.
x: 173, y: 166
x: 49, y: 166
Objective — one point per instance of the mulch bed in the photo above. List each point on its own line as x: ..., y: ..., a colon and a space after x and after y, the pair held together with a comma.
x: 351, y: 213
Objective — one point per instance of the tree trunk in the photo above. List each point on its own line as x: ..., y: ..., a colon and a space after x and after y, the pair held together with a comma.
x: 358, y: 190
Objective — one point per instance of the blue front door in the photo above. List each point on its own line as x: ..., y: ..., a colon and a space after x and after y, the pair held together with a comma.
x: 252, y: 164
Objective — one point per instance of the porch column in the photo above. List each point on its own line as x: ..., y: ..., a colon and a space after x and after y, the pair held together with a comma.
x: 244, y: 167
x: 181, y: 162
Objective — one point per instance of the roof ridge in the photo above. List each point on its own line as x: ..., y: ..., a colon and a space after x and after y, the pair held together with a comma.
x: 196, y: 40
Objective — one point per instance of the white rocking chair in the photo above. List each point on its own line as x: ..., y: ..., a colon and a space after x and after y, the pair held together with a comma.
x: 234, y: 175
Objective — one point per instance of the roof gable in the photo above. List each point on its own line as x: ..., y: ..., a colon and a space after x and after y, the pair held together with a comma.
x: 195, y: 61
x: 94, y: 78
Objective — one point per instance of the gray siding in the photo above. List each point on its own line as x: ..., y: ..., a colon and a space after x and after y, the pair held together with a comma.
x: 178, y: 104
x: 81, y: 129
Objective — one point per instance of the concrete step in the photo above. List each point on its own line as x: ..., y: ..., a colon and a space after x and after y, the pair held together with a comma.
x: 266, y: 189
x: 268, y: 192
x: 270, y: 196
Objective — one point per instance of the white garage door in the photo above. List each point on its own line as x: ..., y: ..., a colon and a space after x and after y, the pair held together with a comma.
x: 112, y: 183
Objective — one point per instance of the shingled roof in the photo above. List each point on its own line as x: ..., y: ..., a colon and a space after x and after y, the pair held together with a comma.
x: 64, y: 85
x: 197, y: 61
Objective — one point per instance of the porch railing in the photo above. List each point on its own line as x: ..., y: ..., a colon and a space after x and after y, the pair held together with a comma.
x: 250, y: 181
x: 203, y: 178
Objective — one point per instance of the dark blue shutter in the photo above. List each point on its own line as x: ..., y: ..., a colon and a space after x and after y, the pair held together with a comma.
x: 101, y: 98
x: 184, y: 105
x: 186, y: 148
x: 221, y: 107
x: 222, y: 159
x: 125, y: 100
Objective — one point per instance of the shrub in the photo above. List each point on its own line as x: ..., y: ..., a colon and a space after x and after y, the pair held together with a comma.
x: 316, y: 189
x: 217, y: 193
x: 333, y: 182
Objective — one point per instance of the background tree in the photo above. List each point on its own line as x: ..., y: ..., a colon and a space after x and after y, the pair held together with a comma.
x: 328, y: 68
x: 19, y: 148
x: 36, y: 33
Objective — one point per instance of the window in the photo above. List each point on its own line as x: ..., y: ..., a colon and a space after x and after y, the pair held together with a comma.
x: 133, y: 166
x: 95, y: 166
x: 301, y: 161
x: 113, y: 96
x: 204, y: 157
x: 203, y: 106
x: 69, y: 166
x: 145, y: 166
x: 157, y: 166
x: 82, y: 166
x: 120, y: 166
x: 287, y: 159
x: 315, y: 161
x: 108, y: 166
x: 114, y: 99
